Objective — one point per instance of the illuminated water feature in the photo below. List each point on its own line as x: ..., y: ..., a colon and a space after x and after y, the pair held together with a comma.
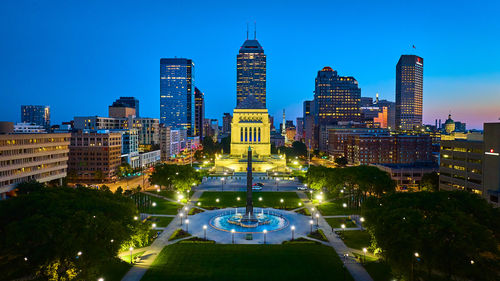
x: 264, y: 219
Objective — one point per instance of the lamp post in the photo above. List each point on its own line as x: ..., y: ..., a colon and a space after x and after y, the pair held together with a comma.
x: 100, y: 279
x: 293, y: 231
x: 186, y: 211
x: 181, y: 215
x: 131, y: 249
x: 362, y: 220
x: 312, y: 212
x: 343, y: 229
x: 311, y: 193
x: 232, y: 235
x: 317, y: 220
x: 222, y: 184
x: 311, y: 222
x: 281, y: 201
x: 187, y: 225
x: 265, y: 233
x: 416, y: 254
x: 205, y: 231
x: 277, y: 181
x: 364, y: 255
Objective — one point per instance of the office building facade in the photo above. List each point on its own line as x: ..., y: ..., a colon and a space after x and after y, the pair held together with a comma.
x: 177, y: 103
x: 199, y: 112
x: 36, y: 114
x: 409, y: 92
x: 127, y: 102
x: 251, y: 72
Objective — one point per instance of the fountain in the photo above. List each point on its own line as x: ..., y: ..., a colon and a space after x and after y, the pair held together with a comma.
x: 248, y: 221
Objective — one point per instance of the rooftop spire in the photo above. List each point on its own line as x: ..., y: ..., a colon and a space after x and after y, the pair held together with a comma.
x: 255, y: 30
x: 247, y: 30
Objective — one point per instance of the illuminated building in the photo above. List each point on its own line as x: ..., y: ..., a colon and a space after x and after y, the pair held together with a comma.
x: 226, y: 123
x: 472, y: 164
x: 336, y: 98
x: 177, y: 93
x: 409, y: 92
x: 27, y: 157
x: 124, y: 102
x: 199, y: 112
x: 36, y: 114
x: 251, y: 72
x: 94, y: 156
x: 250, y: 127
x: 408, y: 176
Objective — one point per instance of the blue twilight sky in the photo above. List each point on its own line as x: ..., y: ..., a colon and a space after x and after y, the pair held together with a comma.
x: 79, y: 56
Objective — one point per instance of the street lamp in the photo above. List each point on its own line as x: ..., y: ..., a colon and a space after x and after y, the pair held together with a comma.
x: 181, y: 215
x: 277, y: 181
x: 154, y: 204
x: 281, y: 201
x: 131, y: 249
x: 312, y: 212
x: 260, y: 198
x: 293, y: 231
x: 300, y: 204
x: 232, y: 234
x: 344, y: 205
x: 238, y: 198
x: 222, y: 184
x: 317, y: 220
x: 136, y: 218
x: 343, y: 229
x: 364, y: 254
x: 265, y: 233
x: 100, y: 279
x: 311, y: 193
x: 311, y: 222
x: 217, y: 200
x: 153, y: 225
x: 187, y: 225
x: 362, y: 220
x: 205, y: 231
x: 416, y: 254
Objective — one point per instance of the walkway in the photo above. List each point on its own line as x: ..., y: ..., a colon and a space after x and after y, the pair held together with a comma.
x: 357, y: 271
x: 147, y: 259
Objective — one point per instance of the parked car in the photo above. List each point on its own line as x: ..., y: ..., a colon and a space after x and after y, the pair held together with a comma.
x: 258, y: 184
x: 255, y: 187
x: 301, y: 187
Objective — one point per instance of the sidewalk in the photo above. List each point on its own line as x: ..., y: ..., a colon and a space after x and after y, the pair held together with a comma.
x: 147, y: 259
x: 356, y: 270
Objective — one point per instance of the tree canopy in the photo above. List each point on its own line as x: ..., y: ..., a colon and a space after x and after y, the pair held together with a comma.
x: 41, y: 233
x: 175, y: 177
x: 454, y: 233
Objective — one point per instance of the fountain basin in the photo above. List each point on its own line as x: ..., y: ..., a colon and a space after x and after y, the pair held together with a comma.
x: 262, y: 219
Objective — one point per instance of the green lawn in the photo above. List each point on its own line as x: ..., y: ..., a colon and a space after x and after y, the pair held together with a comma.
x: 126, y: 258
x: 379, y: 270
x: 335, y: 208
x: 113, y: 270
x: 164, y: 207
x: 269, y: 199
x: 160, y: 221
x: 337, y: 222
x: 356, y: 239
x: 183, y: 262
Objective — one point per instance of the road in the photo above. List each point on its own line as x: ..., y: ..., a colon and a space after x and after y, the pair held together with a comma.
x: 239, y: 184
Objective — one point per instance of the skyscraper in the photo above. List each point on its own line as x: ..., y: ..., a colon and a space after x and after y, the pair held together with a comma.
x: 199, y: 112
x: 129, y: 102
x: 227, y: 118
x: 336, y: 98
x: 36, y: 114
x: 251, y: 72
x: 177, y: 93
x: 409, y: 92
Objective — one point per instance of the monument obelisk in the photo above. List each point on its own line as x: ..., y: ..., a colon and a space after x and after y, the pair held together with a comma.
x: 249, y: 209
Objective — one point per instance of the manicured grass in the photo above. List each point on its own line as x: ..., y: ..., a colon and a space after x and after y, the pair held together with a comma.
x: 269, y: 199
x: 356, y: 239
x: 335, y: 208
x: 126, y: 258
x: 379, y: 270
x: 178, y: 234
x: 318, y: 234
x: 114, y: 270
x: 164, y: 207
x: 209, y: 262
x: 337, y: 222
x: 160, y: 221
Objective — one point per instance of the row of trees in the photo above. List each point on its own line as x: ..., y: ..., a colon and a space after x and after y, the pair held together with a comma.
x: 355, y: 182
x: 455, y: 234
x: 62, y: 233
x: 175, y: 177
x: 211, y: 147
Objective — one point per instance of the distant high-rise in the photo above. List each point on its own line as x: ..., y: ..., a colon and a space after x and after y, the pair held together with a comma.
x: 199, y: 112
x: 251, y: 72
x: 129, y: 102
x: 226, y: 122
x: 36, y: 114
x: 336, y: 98
x: 409, y: 92
x: 177, y: 93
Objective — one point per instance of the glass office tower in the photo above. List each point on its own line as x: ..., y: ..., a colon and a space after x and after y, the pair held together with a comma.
x: 36, y: 114
x: 409, y: 92
x: 251, y: 72
x: 177, y: 93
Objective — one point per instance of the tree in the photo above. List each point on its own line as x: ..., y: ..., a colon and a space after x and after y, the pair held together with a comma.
x: 429, y: 182
x: 124, y: 170
x: 341, y: 161
x: 447, y: 229
x: 178, y: 177
x: 299, y: 149
x: 66, y: 221
x: 28, y: 187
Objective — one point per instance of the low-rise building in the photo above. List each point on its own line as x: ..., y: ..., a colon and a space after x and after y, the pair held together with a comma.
x: 27, y: 157
x: 148, y: 159
x: 408, y: 176
x: 94, y: 156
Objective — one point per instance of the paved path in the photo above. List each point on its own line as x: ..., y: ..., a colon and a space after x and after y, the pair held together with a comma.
x: 139, y: 269
x: 339, y: 216
x: 357, y: 271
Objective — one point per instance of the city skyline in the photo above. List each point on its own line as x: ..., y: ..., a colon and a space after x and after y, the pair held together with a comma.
x: 457, y: 71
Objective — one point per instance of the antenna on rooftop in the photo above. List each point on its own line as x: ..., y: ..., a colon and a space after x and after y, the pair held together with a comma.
x: 247, y: 30
x: 255, y: 30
